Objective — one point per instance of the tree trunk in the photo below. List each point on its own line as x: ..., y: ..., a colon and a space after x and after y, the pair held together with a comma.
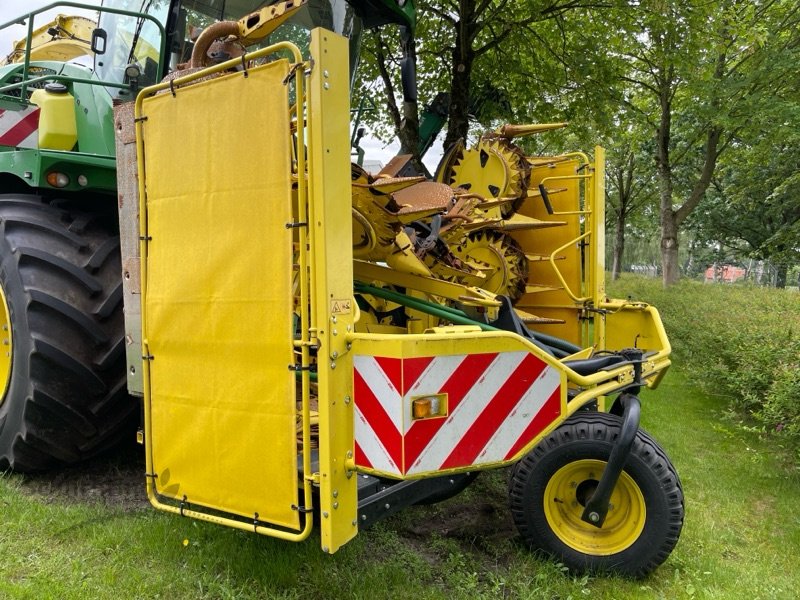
x: 458, y: 117
x: 462, y: 59
x: 670, y: 269
x: 781, y: 271
x: 619, y: 247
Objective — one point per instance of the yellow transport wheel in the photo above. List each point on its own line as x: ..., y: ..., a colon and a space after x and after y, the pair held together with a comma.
x: 63, y: 370
x: 551, y: 485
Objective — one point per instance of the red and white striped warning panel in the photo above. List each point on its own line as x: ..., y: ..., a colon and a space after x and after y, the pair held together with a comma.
x: 20, y: 128
x: 486, y: 409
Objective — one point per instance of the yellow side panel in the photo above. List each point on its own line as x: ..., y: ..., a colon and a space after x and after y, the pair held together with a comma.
x: 633, y: 328
x: 218, y: 304
x: 555, y: 304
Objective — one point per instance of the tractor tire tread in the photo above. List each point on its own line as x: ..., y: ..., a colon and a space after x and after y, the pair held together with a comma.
x: 61, y: 273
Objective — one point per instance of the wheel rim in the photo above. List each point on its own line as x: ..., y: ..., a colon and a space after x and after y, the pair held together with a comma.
x: 564, y: 500
x: 6, y: 341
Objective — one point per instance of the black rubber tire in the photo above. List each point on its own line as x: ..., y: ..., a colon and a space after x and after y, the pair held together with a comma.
x: 591, y: 436
x: 60, y: 271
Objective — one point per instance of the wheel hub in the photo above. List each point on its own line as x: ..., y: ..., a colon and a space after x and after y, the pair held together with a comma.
x: 6, y: 342
x: 568, y: 491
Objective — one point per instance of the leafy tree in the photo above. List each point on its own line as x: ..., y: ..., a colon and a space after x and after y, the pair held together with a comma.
x: 497, y: 59
x: 703, y: 70
x: 630, y: 183
x: 754, y: 203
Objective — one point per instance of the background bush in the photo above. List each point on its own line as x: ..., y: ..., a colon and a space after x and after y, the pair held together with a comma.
x: 739, y: 342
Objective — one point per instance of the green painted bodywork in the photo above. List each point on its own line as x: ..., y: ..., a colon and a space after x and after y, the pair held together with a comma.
x: 94, y: 152
x: 32, y: 166
x: 93, y: 155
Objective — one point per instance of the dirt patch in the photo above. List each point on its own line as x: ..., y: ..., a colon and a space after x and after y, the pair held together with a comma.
x: 478, y: 520
x: 466, y: 521
x: 114, y: 479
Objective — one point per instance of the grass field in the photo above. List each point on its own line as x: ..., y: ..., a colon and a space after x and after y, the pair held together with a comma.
x: 90, y: 534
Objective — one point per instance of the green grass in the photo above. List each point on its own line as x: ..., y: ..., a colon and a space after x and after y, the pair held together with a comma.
x: 741, y: 538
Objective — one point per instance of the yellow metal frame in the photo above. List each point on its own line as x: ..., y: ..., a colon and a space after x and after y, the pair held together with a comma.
x: 215, y: 517
x: 333, y: 309
x: 327, y: 311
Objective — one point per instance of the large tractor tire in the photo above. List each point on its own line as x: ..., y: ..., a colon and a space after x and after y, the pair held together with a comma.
x: 550, y: 486
x: 62, y: 358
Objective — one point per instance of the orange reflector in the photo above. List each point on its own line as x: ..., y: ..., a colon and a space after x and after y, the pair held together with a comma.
x: 422, y: 408
x: 57, y: 180
x: 425, y: 407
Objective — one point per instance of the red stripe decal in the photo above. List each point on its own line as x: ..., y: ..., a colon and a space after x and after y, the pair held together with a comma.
x: 17, y: 134
x: 393, y: 367
x: 412, y: 369
x: 471, y: 370
x: 361, y: 458
x: 377, y: 418
x: 496, y: 411
x: 549, y: 412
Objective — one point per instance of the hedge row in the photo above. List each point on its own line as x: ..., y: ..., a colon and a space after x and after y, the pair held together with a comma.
x: 739, y: 342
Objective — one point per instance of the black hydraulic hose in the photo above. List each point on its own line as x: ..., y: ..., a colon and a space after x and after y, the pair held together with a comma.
x: 555, y: 342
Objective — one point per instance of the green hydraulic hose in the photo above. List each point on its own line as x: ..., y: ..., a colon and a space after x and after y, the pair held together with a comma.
x: 456, y: 316
x: 437, y: 310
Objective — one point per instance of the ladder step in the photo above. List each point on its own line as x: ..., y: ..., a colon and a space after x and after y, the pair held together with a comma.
x: 542, y: 257
x: 535, y: 289
x: 519, y: 222
x: 530, y: 319
x: 535, y: 193
x: 547, y: 161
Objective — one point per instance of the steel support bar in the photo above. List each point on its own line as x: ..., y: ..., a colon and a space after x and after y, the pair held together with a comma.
x: 597, y: 506
x: 393, y: 498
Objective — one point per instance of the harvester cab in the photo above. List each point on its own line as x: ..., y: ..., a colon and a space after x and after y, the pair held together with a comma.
x: 308, y: 337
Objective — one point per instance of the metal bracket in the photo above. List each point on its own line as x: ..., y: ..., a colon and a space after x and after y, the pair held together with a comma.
x: 392, y: 498
x: 636, y: 358
x: 292, y: 72
x: 597, y: 507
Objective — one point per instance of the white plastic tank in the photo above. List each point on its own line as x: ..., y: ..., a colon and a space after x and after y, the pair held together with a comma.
x: 57, y: 127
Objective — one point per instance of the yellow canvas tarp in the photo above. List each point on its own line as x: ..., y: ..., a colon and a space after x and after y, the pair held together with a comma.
x: 218, y: 306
